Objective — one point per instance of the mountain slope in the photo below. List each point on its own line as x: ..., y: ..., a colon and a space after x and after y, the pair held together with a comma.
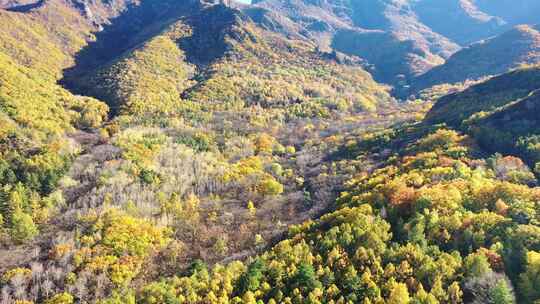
x: 519, y: 46
x: 502, y: 113
x: 219, y: 57
x: 59, y: 29
x: 514, y: 129
x: 499, y: 91
x: 345, y: 27
x: 46, y: 112
x: 38, y: 117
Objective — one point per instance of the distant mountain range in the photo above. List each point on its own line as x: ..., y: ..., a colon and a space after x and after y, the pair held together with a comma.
x: 401, y: 40
x: 128, y: 53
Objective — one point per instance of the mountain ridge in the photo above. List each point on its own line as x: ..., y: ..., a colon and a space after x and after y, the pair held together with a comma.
x: 516, y: 47
x: 217, y: 35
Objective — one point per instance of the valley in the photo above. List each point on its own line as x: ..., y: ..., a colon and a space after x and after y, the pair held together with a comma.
x: 284, y: 151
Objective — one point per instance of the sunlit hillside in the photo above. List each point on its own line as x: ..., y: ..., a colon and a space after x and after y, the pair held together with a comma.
x: 280, y: 151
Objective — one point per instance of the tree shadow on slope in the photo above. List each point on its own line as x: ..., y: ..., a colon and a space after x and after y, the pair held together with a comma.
x: 211, y: 28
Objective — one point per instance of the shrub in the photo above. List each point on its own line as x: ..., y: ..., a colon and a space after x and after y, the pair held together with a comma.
x: 61, y: 298
x: 270, y: 186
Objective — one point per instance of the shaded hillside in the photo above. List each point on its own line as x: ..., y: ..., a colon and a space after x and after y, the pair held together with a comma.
x: 270, y: 71
x: 389, y: 59
x: 39, y: 110
x: 519, y: 46
x: 514, y: 129
x: 138, y: 56
x: 133, y: 26
x: 462, y: 21
x: 36, y: 45
x: 501, y: 113
x: 154, y: 74
x: 499, y: 91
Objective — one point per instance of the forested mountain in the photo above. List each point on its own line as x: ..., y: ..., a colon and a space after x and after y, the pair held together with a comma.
x: 201, y: 152
x: 501, y: 112
x: 216, y: 54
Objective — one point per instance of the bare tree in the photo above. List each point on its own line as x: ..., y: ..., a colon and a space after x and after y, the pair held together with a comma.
x: 57, y: 274
x: 5, y: 296
x: 81, y: 290
x: 37, y: 272
x: 34, y: 292
x: 36, y: 252
x: 101, y: 284
x: 481, y: 289
x: 47, y: 287
x: 19, y: 284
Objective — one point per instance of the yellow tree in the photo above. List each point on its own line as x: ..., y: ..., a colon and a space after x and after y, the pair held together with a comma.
x: 399, y: 294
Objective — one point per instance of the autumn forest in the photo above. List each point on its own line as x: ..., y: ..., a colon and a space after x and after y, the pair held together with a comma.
x: 279, y: 151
